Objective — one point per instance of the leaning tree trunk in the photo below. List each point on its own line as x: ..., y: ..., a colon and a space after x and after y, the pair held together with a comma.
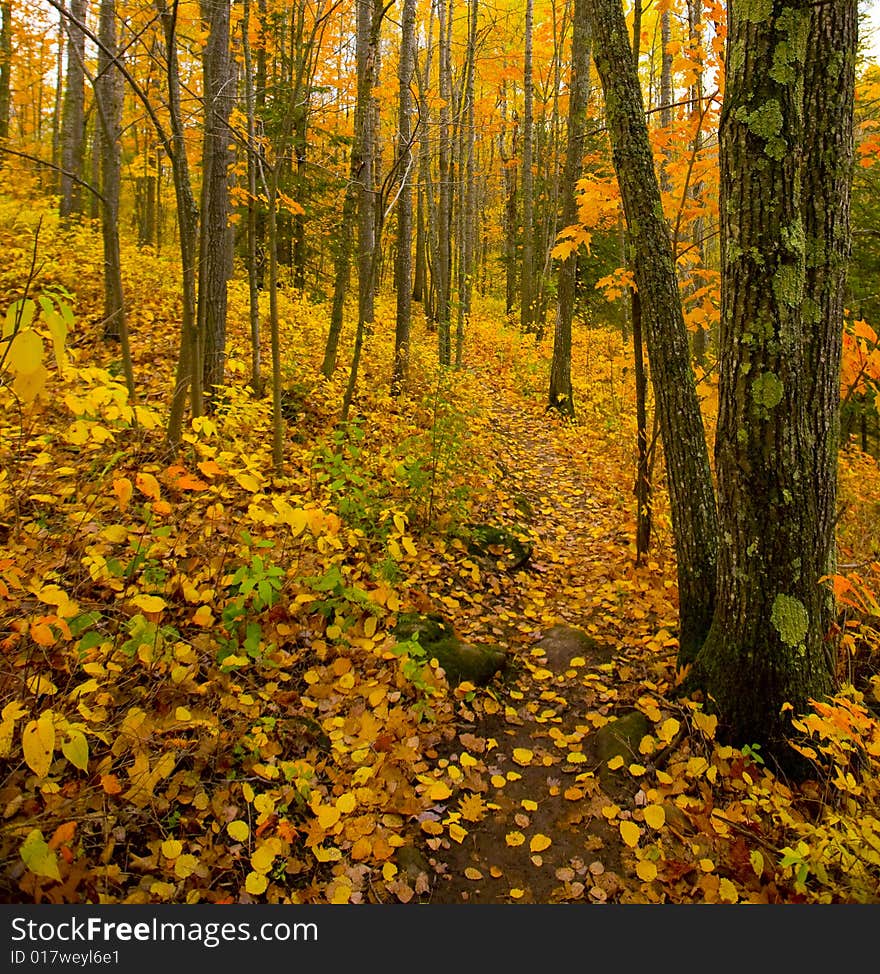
x: 687, y: 457
x: 560, y: 395
x: 776, y: 440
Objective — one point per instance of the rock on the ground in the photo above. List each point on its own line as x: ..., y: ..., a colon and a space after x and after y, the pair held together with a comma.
x: 619, y: 738
x: 561, y: 644
x: 461, y: 661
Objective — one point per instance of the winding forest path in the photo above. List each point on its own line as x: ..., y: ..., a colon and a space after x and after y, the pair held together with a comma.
x: 541, y: 823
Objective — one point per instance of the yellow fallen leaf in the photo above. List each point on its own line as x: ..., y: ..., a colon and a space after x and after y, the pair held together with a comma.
x: 655, y: 816
x: 256, y: 883
x: 514, y: 839
x: 646, y: 870
x: 727, y: 892
x: 439, y: 791
x: 471, y: 873
x: 522, y: 756
x: 457, y: 833
x: 630, y: 833
x: 149, y: 603
x: 238, y: 830
x: 540, y: 842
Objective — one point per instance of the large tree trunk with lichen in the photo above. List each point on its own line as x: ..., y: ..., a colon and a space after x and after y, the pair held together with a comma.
x: 684, y: 444
x: 784, y: 195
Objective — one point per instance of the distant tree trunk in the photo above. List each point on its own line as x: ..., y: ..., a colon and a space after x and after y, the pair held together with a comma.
x: 403, y: 267
x: 560, y: 395
x: 369, y: 14
x: 344, y: 245
x: 695, y: 15
x: 59, y: 96
x: 108, y: 99
x: 509, y: 182
x: 444, y: 207
x: 527, y: 272
x: 73, y: 116
x: 188, y: 376
x: 467, y: 181
x: 785, y: 185
x: 643, y: 492
x: 108, y: 129
x: 427, y: 196
x: 215, y: 238
x: 5, y: 66
x: 253, y: 161
x: 687, y: 459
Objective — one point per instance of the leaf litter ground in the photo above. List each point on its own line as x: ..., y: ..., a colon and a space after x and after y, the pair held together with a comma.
x: 201, y: 697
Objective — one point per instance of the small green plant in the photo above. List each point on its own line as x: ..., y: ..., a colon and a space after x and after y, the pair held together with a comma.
x: 752, y: 751
x: 414, y: 660
x: 253, y: 587
x: 338, y: 598
x: 338, y: 468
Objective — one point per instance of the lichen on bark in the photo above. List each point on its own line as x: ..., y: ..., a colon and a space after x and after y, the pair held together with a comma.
x: 790, y: 620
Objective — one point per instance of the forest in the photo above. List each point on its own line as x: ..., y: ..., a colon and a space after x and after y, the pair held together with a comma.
x: 439, y: 452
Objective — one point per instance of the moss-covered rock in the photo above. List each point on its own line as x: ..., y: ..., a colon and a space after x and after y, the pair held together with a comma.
x: 461, y: 661
x: 619, y: 738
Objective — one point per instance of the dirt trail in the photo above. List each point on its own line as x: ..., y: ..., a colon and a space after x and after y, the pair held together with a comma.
x: 539, y: 834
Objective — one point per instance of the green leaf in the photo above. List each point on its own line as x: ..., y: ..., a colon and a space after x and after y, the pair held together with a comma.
x: 76, y: 749
x: 38, y: 857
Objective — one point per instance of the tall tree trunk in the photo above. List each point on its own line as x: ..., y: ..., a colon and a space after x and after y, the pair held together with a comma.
x: 509, y: 181
x: 215, y: 238
x: 369, y: 13
x: 695, y: 16
x: 108, y: 102
x: 444, y: 206
x: 527, y: 272
x: 188, y: 376
x: 5, y: 66
x: 467, y: 182
x: 59, y: 96
x: 560, y: 395
x: 829, y: 84
x: 108, y: 98
x: 778, y: 399
x: 403, y: 267
x: 73, y: 116
x: 687, y: 458
x: 253, y: 162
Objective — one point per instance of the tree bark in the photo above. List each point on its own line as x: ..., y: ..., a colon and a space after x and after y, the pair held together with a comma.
x: 403, y: 267
x: 560, y: 395
x: 776, y: 440
x: 215, y: 238
x: 527, y: 272
x: 5, y: 66
x: 73, y: 115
